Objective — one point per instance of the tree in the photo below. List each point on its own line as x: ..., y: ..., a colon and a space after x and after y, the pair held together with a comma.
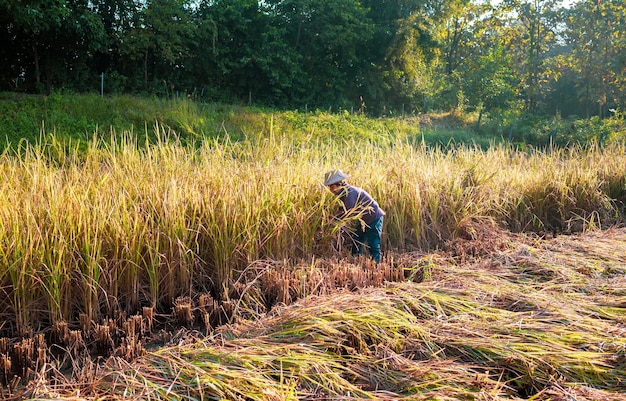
x: 74, y: 47
x: 532, y: 34
x: 160, y: 40
x: 595, y: 33
x: 325, y: 36
x: 381, y: 79
x: 116, y: 17
x: 240, y: 52
x: 49, y: 38
x: 412, y: 71
x: 492, y: 84
x: 419, y: 45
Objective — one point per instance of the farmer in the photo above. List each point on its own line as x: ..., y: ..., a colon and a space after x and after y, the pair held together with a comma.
x: 358, y: 203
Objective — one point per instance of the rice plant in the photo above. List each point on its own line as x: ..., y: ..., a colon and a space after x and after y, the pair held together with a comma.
x: 119, y: 226
x: 106, y: 230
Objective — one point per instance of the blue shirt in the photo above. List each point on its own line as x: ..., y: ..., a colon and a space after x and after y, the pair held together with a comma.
x: 357, y: 202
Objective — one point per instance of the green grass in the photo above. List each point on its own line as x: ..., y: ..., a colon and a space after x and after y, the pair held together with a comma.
x: 26, y: 117
x: 79, y: 117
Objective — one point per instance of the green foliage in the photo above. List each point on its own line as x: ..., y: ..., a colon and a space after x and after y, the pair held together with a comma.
x: 592, y: 131
x: 382, y: 58
x: 79, y: 117
x: 49, y: 35
x: 595, y: 32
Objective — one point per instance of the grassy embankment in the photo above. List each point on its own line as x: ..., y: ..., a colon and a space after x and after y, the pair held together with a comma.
x: 111, y: 226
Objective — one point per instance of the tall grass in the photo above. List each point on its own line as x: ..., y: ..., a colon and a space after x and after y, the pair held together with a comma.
x: 119, y: 224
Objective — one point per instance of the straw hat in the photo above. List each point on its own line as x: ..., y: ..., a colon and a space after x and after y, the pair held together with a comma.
x: 334, y: 176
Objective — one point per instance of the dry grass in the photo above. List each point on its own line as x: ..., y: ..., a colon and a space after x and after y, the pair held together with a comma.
x: 527, y: 319
x: 104, y: 247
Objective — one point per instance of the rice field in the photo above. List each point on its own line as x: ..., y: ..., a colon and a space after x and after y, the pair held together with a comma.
x: 108, y: 250
x: 525, y: 319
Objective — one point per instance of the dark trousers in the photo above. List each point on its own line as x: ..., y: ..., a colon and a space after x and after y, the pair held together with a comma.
x: 368, y: 236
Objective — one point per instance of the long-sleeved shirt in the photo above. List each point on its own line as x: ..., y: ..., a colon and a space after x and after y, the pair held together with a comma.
x: 357, y: 202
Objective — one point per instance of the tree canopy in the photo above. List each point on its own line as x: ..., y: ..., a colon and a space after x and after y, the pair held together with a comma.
x: 374, y: 56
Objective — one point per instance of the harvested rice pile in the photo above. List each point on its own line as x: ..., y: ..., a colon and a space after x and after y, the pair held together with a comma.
x: 492, y: 317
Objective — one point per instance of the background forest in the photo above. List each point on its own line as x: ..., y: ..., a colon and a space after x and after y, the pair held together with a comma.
x: 380, y: 57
